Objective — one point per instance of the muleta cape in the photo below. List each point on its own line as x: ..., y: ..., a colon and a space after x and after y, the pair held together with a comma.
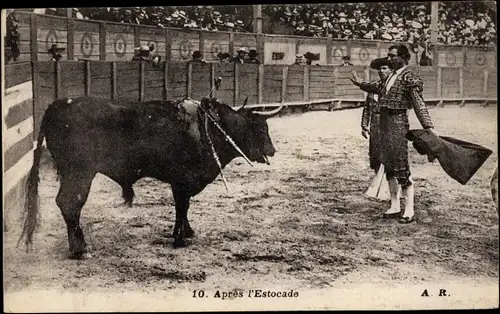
x: 459, y: 159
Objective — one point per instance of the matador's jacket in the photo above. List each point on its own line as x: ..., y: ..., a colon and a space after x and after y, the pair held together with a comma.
x: 405, y: 94
x: 370, y: 121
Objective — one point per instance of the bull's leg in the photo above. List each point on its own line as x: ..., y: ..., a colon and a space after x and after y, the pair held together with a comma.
x: 127, y: 194
x: 72, y: 196
x: 181, y: 208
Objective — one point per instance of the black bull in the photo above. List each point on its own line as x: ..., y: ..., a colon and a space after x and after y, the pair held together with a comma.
x: 166, y: 140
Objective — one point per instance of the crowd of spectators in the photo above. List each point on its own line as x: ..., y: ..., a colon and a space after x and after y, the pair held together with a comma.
x: 460, y: 23
x: 213, y: 18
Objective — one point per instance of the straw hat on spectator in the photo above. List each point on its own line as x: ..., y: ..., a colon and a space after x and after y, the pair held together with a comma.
x: 342, y: 15
x: 342, y: 20
x: 352, y: 21
x: 325, y: 18
x: 230, y: 24
x: 300, y: 22
x: 216, y: 13
x: 347, y: 32
x: 175, y: 17
x: 469, y: 22
x: 416, y: 25
x: 56, y: 48
x: 395, y: 30
x: 242, y: 49
x: 400, y: 25
x: 421, y: 7
x: 398, y: 37
x: 362, y: 22
x: 128, y: 12
x: 182, y: 14
x: 421, y: 13
x: 387, y: 36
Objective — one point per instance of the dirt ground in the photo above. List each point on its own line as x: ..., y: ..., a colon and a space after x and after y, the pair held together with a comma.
x: 301, y: 223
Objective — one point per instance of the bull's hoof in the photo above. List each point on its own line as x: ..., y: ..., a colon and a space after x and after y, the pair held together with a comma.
x: 80, y: 256
x: 179, y: 242
x: 127, y: 204
x: 189, y: 233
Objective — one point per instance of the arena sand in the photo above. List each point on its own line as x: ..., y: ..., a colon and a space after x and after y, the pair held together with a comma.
x: 301, y: 223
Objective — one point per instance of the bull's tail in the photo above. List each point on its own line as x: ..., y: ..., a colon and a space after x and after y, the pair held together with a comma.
x: 31, y: 205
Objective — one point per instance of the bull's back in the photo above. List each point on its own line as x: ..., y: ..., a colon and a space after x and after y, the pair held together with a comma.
x: 109, y: 137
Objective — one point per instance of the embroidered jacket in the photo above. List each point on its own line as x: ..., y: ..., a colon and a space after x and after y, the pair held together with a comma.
x: 405, y: 93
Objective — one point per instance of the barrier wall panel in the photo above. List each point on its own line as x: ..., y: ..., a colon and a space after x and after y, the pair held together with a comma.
x: 273, y: 75
x: 473, y: 82
x: 177, y: 81
x: 491, y: 90
x: 429, y: 78
x: 321, y: 83
x: 339, y: 49
x: 51, y: 30
x: 275, y: 47
x: 364, y: 53
x: 226, y: 89
x: 450, y: 82
x: 154, y: 36
x: 344, y: 88
x: 214, y: 43
x: 86, y: 40
x: 200, y: 86
x: 248, y: 83
x: 295, y: 83
x: 451, y: 56
x: 245, y: 40
x: 127, y: 80
x: 184, y: 43
x: 72, y: 79
x: 120, y: 42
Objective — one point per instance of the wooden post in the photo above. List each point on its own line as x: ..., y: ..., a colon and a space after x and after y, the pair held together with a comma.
x: 259, y: 40
x: 165, y: 81
x: 87, y: 77
x: 379, y: 49
x: 137, y: 35
x: 168, y: 44
x: 306, y: 83
x: 58, y: 79
x: 231, y: 44
x: 114, y: 89
x: 33, y: 37
x: 438, y: 82
x: 102, y: 41
x: 284, y: 82
x: 486, y: 74
x: 329, y: 50
x: 461, y: 81
x: 260, y: 84
x: 141, y: 80
x: 336, y: 74
x: 189, y: 79
x: 236, y: 81
x: 201, y: 43
x: 71, y: 39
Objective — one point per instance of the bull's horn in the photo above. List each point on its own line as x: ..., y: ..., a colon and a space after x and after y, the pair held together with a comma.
x: 269, y: 114
x: 244, y: 104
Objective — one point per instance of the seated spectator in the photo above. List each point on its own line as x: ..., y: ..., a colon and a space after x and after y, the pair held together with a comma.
x: 142, y: 54
x: 197, y: 57
x: 223, y: 57
x: 55, y: 52
x: 252, y: 57
x: 299, y: 60
x: 346, y: 61
x: 240, y: 57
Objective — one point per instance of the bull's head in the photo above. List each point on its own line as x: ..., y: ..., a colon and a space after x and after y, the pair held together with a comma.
x: 247, y: 127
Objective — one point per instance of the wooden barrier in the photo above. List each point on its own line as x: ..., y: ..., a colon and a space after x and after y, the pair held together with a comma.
x: 264, y: 85
x: 17, y: 138
x: 98, y: 40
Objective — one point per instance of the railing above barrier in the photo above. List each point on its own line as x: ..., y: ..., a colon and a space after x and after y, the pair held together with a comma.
x: 98, y: 40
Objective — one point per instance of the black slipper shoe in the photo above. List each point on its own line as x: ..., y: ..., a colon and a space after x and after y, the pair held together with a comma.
x: 406, y: 220
x: 391, y: 216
